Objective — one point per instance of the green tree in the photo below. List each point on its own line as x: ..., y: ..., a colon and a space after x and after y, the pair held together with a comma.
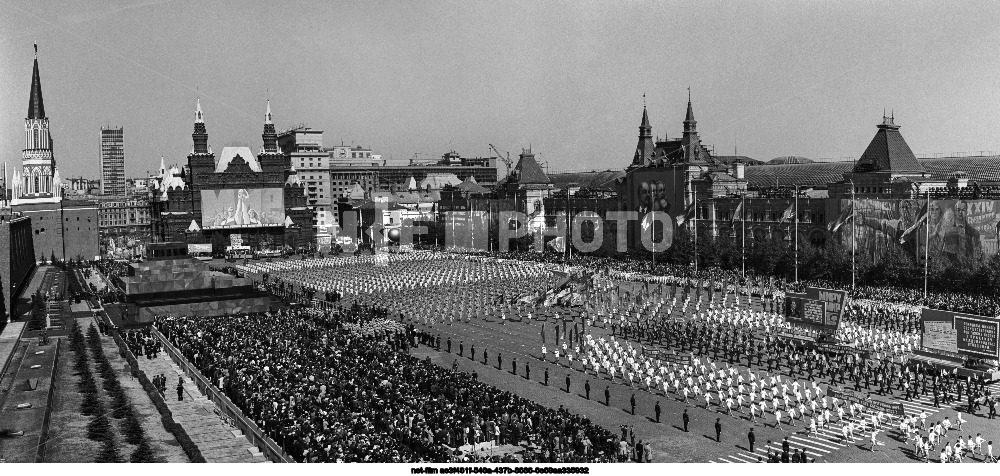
x: 109, y: 452
x: 99, y: 428
x: 143, y: 453
x: 131, y: 428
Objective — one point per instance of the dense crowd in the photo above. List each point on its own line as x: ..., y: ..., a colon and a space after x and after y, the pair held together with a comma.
x: 340, y: 385
x: 970, y: 302
x: 111, y: 270
x: 140, y: 342
x: 326, y: 392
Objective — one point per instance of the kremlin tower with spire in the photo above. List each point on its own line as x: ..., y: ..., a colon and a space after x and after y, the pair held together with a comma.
x: 36, y: 191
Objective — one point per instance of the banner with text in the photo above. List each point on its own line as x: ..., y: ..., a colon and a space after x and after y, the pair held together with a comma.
x: 848, y: 395
x: 816, y: 307
x: 955, y: 332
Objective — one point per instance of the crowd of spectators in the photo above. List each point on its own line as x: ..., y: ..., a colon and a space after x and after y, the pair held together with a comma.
x: 326, y: 392
x: 112, y: 271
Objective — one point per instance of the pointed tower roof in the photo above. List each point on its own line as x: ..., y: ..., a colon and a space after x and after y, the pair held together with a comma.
x: 270, y: 137
x: 645, y: 146
x: 469, y: 185
x: 200, y: 134
x: 888, y: 152
x: 690, y: 112
x: 689, y: 122
x: 527, y: 170
x: 36, y: 107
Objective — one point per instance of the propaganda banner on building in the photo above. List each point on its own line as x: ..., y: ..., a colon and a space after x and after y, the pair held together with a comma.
x: 958, y: 228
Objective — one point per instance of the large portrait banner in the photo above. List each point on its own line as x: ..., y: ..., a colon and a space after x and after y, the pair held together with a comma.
x: 242, y: 208
x: 958, y: 229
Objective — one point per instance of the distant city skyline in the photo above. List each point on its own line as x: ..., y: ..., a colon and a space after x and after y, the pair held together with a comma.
x: 768, y: 79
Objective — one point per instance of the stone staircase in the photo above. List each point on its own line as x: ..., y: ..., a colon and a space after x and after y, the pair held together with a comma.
x: 218, y: 441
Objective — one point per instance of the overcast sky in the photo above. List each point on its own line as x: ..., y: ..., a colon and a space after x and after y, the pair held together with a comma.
x: 405, y: 78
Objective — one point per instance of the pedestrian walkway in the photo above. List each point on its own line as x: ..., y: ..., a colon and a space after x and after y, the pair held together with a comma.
x: 8, y: 341
x: 218, y: 442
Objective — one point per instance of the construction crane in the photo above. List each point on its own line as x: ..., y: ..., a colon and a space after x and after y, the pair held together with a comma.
x: 506, y: 161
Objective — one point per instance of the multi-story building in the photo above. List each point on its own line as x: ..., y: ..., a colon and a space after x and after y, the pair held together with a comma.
x: 366, y: 173
x: 235, y: 197
x: 883, y: 201
x: 112, y: 161
x: 17, y: 259
x: 304, y: 147
x: 81, y: 186
x: 353, y: 155
x: 125, y: 226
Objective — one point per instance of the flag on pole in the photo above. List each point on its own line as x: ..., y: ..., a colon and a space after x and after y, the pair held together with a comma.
x: 788, y: 214
x: 688, y: 214
x: 738, y: 212
x: 915, y: 225
x: 845, y: 216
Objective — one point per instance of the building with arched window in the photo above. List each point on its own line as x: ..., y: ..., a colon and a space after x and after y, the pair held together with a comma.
x: 236, y: 196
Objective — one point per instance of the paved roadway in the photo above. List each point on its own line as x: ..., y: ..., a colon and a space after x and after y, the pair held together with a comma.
x: 522, y: 340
